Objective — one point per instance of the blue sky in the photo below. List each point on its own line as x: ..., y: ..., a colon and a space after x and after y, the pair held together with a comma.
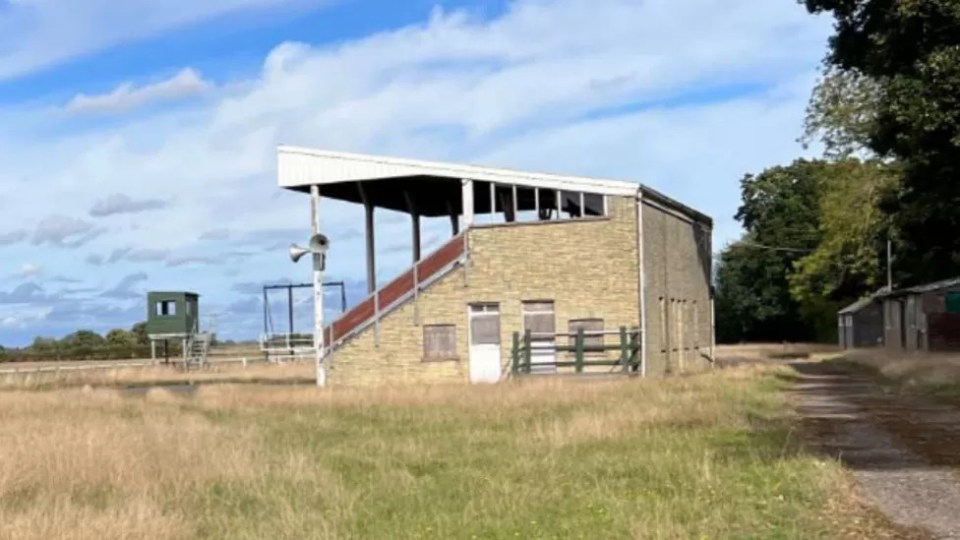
x: 137, y: 143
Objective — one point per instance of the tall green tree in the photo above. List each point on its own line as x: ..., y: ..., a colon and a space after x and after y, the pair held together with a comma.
x: 850, y: 259
x: 911, y: 50
x: 780, y: 214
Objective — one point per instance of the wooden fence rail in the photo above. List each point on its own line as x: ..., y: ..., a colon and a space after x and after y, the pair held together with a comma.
x: 525, y: 345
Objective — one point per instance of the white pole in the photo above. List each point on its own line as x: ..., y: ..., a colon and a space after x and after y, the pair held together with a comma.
x: 318, y: 338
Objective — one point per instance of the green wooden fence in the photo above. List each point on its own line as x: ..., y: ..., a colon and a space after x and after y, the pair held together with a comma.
x: 585, y: 355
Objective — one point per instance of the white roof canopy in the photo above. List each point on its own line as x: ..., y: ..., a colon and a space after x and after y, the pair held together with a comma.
x: 387, y: 179
x: 302, y: 167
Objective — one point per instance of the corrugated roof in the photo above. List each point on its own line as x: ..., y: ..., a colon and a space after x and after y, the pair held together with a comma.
x: 927, y: 287
x: 858, y: 305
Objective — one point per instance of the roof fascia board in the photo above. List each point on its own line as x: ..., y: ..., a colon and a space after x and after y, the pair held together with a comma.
x: 301, y: 167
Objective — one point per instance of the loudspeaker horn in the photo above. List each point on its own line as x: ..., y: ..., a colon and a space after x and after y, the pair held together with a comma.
x: 319, y: 243
x: 296, y: 252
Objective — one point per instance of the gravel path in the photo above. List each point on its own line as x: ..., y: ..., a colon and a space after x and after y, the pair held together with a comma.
x: 901, y: 450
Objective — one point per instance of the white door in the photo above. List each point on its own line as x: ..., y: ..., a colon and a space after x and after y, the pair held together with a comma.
x: 484, y: 343
x: 539, y: 319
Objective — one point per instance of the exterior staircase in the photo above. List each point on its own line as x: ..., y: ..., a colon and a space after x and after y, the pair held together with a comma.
x: 198, y: 348
x: 405, y: 288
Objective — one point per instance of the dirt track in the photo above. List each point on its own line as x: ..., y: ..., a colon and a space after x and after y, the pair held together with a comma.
x: 902, y: 451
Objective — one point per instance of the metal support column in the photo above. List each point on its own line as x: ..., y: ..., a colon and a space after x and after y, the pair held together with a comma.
x: 371, y: 244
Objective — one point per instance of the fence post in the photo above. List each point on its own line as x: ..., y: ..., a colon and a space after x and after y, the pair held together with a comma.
x: 527, y: 356
x: 515, y: 360
x: 624, y: 348
x: 635, y: 357
x: 580, y: 346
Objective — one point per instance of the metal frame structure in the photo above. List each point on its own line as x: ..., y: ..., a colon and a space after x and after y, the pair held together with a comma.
x: 267, y: 317
x: 287, y: 345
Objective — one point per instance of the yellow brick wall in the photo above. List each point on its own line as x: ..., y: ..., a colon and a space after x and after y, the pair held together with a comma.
x: 588, y: 268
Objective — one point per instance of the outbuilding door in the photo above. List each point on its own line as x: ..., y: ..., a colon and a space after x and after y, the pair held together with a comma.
x: 539, y: 319
x: 484, y: 343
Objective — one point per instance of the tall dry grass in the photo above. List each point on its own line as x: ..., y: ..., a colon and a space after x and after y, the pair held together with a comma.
x: 916, y: 369
x: 158, y: 375
x: 700, y: 457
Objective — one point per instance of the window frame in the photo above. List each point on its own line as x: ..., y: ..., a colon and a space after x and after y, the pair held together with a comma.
x: 425, y: 353
x: 160, y: 308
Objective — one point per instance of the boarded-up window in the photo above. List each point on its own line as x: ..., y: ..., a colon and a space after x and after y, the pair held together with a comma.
x: 439, y: 342
x: 538, y: 318
x: 592, y: 334
x: 484, y: 324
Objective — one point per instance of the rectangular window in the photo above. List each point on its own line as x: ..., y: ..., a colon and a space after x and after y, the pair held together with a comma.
x: 538, y: 318
x: 547, y: 203
x: 439, y: 342
x: 570, y: 203
x: 484, y: 324
x: 188, y: 308
x: 592, y: 335
x: 953, y: 302
x: 166, y: 308
x: 593, y: 204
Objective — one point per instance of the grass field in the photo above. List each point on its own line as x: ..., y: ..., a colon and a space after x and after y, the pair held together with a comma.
x: 711, y: 456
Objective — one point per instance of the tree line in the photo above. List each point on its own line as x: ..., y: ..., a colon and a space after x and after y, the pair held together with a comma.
x: 87, y: 345
x: 116, y: 344
x: 887, y: 114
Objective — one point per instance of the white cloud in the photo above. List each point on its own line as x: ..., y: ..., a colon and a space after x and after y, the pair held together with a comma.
x: 29, y: 270
x: 620, y: 88
x: 39, y: 33
x: 64, y: 231
x: 187, y: 83
x: 119, y: 203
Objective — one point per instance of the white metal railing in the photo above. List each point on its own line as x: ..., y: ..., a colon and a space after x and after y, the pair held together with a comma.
x: 279, y: 347
x: 65, y: 368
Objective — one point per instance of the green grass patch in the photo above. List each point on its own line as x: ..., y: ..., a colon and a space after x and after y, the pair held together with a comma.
x: 711, y: 458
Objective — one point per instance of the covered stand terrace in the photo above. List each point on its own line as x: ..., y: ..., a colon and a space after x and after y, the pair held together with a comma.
x: 470, y: 196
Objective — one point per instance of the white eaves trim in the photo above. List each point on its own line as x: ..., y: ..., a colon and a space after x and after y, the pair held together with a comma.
x: 299, y: 168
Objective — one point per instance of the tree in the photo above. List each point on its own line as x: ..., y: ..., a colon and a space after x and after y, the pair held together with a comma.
x: 139, y: 330
x: 84, y: 338
x: 121, y: 339
x: 45, y: 347
x: 82, y: 344
x: 842, y: 113
x: 780, y: 213
x: 850, y: 260
x: 911, y: 50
